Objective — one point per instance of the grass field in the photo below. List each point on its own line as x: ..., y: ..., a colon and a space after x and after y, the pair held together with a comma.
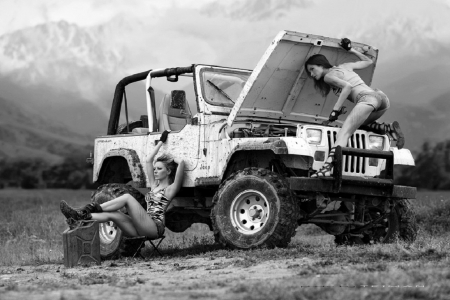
x: 31, y: 229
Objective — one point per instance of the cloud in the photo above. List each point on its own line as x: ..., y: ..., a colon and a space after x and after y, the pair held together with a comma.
x: 253, y: 10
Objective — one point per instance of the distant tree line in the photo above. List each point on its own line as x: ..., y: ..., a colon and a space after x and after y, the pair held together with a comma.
x: 432, y: 170
x: 33, y: 173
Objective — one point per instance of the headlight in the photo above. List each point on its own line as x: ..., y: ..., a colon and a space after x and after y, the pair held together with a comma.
x: 375, y: 143
x: 314, y: 136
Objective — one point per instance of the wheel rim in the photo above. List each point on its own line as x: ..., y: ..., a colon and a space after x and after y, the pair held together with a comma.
x: 381, y: 229
x: 108, y: 231
x: 249, y: 211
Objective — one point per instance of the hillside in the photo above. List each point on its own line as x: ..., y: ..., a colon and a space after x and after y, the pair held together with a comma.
x: 25, y: 134
x: 420, y: 123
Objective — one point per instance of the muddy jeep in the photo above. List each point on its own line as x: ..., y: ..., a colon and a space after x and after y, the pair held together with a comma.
x: 251, y: 140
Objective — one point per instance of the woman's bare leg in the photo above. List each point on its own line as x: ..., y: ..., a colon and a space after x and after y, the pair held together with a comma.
x: 359, y: 114
x: 122, y: 220
x: 142, y: 223
x: 373, y: 117
x: 117, y: 203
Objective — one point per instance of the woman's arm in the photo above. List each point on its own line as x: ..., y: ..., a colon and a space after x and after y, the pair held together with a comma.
x: 151, y: 157
x: 345, y: 87
x: 364, y: 63
x: 176, y: 185
x: 149, y: 163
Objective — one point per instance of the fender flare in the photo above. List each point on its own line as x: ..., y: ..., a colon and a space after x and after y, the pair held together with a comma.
x: 277, y: 145
x: 134, y: 165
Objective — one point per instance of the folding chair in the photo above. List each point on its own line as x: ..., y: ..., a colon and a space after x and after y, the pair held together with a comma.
x: 155, y: 247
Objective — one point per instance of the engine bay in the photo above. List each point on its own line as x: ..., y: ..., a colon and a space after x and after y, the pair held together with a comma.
x: 258, y: 130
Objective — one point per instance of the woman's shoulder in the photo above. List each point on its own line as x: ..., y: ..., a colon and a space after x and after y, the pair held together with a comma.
x: 345, y: 67
x: 336, y: 71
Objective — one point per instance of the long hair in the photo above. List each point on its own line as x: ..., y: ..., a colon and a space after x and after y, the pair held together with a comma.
x: 169, y: 164
x: 319, y: 84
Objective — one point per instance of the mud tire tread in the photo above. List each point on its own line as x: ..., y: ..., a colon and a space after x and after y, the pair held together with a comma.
x: 408, y: 223
x: 407, y: 226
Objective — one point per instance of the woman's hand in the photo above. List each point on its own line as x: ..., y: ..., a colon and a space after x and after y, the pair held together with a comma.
x: 336, y: 113
x: 346, y: 44
x: 164, y: 135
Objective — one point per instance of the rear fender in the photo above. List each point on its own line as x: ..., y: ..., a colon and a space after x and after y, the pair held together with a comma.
x: 134, y: 165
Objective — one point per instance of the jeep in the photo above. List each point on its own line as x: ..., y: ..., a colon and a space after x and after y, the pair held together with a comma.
x: 250, y: 140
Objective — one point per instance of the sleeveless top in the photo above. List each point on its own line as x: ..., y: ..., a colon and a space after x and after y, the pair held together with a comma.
x: 346, y: 75
x: 157, y: 204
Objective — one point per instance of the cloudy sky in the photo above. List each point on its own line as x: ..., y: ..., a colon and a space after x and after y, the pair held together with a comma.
x: 412, y: 35
x: 234, y: 30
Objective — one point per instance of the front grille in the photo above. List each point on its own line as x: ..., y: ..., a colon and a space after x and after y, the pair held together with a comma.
x: 351, y: 164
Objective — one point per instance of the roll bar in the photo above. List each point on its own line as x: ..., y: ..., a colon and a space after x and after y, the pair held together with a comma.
x: 171, y: 74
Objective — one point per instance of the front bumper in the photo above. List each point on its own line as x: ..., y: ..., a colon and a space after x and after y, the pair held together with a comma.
x: 339, y: 184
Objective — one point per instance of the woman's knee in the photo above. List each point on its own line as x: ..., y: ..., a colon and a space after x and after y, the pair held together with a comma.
x: 129, y: 198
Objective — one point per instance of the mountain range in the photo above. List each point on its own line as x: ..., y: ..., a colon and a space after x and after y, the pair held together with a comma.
x: 57, y: 79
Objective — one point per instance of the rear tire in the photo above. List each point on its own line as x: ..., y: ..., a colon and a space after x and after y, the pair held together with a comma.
x: 401, y: 223
x: 254, y: 208
x: 113, y: 243
x: 408, y: 223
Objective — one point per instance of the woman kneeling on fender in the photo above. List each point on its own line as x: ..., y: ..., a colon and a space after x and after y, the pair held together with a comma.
x: 371, y: 104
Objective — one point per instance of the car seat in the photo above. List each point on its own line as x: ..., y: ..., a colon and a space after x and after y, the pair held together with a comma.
x: 174, y: 112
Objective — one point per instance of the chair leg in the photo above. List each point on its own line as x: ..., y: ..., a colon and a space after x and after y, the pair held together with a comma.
x: 138, y: 251
x: 155, y: 248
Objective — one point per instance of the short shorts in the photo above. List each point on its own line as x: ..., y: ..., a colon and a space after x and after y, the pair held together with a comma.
x: 160, y: 227
x: 377, y: 99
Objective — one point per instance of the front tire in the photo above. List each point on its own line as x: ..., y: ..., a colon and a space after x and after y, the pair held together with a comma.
x: 113, y: 243
x: 253, y: 208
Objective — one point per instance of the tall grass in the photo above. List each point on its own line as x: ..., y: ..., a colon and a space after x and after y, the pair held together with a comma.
x: 31, y: 228
x: 31, y: 224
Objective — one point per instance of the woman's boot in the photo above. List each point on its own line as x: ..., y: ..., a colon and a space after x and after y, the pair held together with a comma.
x: 393, y: 131
x: 327, y: 168
x: 83, y: 213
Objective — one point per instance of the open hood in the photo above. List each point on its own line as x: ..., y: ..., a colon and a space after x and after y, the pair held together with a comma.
x: 279, y: 87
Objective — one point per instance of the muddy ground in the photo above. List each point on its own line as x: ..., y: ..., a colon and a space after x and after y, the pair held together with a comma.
x: 177, y: 278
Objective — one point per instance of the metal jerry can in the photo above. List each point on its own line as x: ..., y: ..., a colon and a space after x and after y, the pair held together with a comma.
x: 81, y: 244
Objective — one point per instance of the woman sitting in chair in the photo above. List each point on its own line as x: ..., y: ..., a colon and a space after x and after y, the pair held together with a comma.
x: 165, y: 176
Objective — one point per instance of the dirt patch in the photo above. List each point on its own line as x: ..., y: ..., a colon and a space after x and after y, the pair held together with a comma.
x: 178, y: 278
